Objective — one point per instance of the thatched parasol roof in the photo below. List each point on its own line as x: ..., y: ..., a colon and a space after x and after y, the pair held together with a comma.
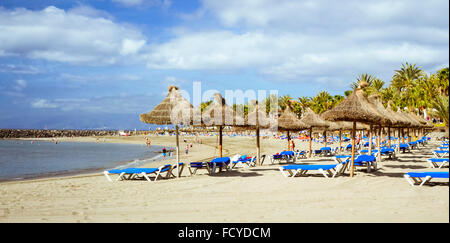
x: 344, y: 126
x: 220, y: 114
x: 388, y: 120
x: 413, y: 122
x: 257, y: 117
x: 313, y: 120
x: 422, y: 121
x: 288, y: 121
x: 401, y: 120
x: 174, y: 109
x: 355, y: 107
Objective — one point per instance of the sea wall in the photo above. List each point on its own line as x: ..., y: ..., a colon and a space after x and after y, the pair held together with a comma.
x: 32, y: 133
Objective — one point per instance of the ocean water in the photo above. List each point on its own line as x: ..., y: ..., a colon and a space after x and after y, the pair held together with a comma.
x: 23, y: 159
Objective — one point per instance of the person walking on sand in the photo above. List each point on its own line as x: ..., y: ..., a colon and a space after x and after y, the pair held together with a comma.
x: 187, y: 149
x: 293, y: 145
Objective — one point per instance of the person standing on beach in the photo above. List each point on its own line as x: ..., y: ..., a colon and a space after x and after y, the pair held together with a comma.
x: 293, y: 145
x: 164, y: 152
x: 148, y: 142
x: 187, y: 149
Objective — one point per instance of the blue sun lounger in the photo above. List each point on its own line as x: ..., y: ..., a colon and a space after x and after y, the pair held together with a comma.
x: 139, y: 173
x: 440, y: 153
x: 438, y: 162
x: 423, y: 177
x: 299, y: 170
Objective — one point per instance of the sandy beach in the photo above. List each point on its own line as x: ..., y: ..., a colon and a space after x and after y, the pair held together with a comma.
x: 258, y: 194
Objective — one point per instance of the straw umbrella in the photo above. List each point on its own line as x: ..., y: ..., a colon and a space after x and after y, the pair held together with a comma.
x: 288, y: 121
x: 413, y: 123
x: 355, y: 108
x: 220, y: 114
x: 255, y: 120
x: 314, y: 121
x: 402, y: 123
x: 388, y: 120
x: 174, y: 110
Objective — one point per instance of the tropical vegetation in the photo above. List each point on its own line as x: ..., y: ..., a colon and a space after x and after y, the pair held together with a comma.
x: 410, y: 88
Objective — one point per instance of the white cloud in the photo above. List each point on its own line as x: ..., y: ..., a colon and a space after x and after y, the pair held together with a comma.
x: 144, y: 3
x: 20, y: 84
x: 43, y: 103
x: 308, y: 40
x: 79, y: 36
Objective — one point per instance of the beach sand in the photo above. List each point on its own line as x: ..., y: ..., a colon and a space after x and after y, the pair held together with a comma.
x: 258, y: 194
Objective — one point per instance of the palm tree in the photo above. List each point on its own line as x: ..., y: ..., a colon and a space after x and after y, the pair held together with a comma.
x: 205, y: 105
x: 362, y: 78
x: 283, y: 101
x: 321, y: 102
x: 442, y: 108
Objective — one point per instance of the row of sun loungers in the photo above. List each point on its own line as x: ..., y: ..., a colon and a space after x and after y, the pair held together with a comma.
x: 342, y: 164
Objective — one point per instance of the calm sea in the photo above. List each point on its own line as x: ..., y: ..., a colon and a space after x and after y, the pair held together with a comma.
x: 22, y: 159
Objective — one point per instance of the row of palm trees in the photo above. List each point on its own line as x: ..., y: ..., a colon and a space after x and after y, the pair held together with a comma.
x: 410, y: 88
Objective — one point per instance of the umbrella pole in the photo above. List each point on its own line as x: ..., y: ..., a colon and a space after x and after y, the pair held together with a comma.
x: 340, y: 140
x: 178, y: 150
x: 289, y: 141
x: 258, y: 151
x: 325, y: 138
x: 389, y: 137
x: 380, y: 133
x: 353, y: 149
x: 220, y: 141
x: 370, y: 140
x: 310, y: 141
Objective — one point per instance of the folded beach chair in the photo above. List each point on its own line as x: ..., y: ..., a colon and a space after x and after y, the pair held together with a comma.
x: 438, y: 162
x: 299, y: 170
x: 139, y: 173
x: 440, y: 153
x: 423, y: 177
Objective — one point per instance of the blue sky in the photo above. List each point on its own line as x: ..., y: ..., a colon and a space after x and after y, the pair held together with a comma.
x: 99, y: 64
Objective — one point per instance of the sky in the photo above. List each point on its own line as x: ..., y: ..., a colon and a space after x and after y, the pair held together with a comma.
x: 99, y: 64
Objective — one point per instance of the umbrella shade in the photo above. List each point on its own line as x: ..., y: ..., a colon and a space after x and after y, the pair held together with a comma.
x: 258, y: 117
x: 421, y: 120
x: 344, y: 126
x: 313, y: 120
x: 288, y: 121
x: 355, y: 107
x: 401, y: 120
x: 220, y: 114
x: 388, y: 120
x: 413, y: 122
x: 174, y: 109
